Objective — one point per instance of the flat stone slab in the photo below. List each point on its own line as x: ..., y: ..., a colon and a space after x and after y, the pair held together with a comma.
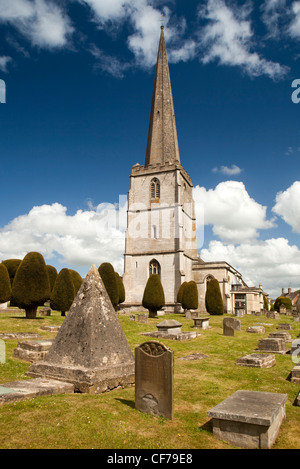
x: 281, y: 335
x: 174, y: 336
x: 194, y: 356
x: 272, y: 345
x: 257, y: 360
x: 285, y: 327
x: 50, y: 328
x: 256, y: 329
x: 249, y: 419
x: 19, y: 335
x: 27, y: 389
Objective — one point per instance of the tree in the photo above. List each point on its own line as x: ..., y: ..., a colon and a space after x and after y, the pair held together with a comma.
x: 121, y: 288
x: 31, y: 287
x: 5, y: 286
x: 154, y: 297
x: 213, y: 298
x: 107, y: 274
x: 190, y: 295
x: 52, y: 273
x: 12, y: 267
x: 180, y: 291
x: 282, y: 300
x: 63, y: 292
x: 266, y: 304
x: 77, y: 280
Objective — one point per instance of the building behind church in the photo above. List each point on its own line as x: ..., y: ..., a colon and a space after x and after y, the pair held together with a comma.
x: 161, y: 224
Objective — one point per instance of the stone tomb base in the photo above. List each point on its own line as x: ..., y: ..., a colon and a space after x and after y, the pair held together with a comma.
x: 249, y: 419
x: 32, y: 350
x: 295, y: 374
x: 257, y: 360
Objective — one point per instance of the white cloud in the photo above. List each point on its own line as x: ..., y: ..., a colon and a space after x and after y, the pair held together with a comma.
x: 228, y: 38
x: 87, y: 237
x: 287, y: 206
x: 274, y: 262
x: 294, y: 27
x: 273, y: 11
x: 234, y: 170
x: 4, y: 60
x: 234, y: 215
x: 43, y: 23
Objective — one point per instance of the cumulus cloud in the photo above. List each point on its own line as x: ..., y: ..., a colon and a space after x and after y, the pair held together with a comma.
x: 233, y: 214
x: 4, y: 60
x: 87, y: 237
x: 228, y: 38
x: 294, y: 27
x: 274, y: 262
x: 43, y: 23
x: 287, y: 206
x: 234, y: 170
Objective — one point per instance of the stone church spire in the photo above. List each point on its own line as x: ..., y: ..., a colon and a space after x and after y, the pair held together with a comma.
x: 162, y: 143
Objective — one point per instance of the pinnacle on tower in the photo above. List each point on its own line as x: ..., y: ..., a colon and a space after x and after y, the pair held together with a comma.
x: 162, y: 143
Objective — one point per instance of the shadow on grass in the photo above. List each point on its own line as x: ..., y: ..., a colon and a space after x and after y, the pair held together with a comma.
x: 207, y: 426
x: 126, y: 402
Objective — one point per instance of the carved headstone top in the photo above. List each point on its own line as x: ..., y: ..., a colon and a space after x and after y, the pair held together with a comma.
x: 153, y: 348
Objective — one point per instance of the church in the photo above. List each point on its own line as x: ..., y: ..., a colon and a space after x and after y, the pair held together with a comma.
x: 161, y: 224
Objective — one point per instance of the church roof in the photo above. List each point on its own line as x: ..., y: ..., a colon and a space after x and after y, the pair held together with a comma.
x: 162, y: 142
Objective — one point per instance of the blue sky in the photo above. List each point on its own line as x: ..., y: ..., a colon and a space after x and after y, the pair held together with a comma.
x: 79, y: 77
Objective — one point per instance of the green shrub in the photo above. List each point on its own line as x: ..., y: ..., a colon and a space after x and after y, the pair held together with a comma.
x: 77, y: 280
x: 31, y: 287
x: 12, y: 267
x: 180, y: 291
x: 107, y: 274
x: 282, y: 300
x: 121, y: 288
x: 63, y: 293
x: 154, y: 297
x: 5, y: 285
x: 52, y: 273
x: 213, y: 298
x: 266, y: 303
x: 190, y: 296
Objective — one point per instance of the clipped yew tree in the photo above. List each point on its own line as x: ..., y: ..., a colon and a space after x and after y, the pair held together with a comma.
x: 121, y: 288
x: 107, y: 273
x: 77, y: 280
x: 282, y: 300
x: 213, y: 298
x: 12, y: 267
x: 190, y: 295
x: 5, y: 286
x: 180, y: 291
x: 31, y: 287
x: 52, y: 273
x: 154, y: 297
x: 63, y: 293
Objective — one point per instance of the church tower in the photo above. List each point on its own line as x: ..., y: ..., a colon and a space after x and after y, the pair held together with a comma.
x: 161, y: 224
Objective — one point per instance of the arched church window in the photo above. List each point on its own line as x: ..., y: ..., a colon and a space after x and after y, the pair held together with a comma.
x: 155, y: 190
x: 154, y: 267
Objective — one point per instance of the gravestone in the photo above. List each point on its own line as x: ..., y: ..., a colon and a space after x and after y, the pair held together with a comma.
x: 143, y: 318
x: 282, y: 309
x: 32, y: 350
x: 171, y: 329
x: 90, y: 350
x: 295, y: 374
x: 272, y: 345
x: 249, y: 419
x: 256, y: 329
x: 201, y: 323
x: 273, y: 315
x: 169, y: 326
x: 281, y: 335
x: 285, y: 327
x: 191, y: 314
x: 29, y: 388
x: 230, y: 325
x: 154, y: 379
x: 257, y: 360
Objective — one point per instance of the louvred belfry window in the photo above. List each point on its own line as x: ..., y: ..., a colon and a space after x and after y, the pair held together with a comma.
x: 155, y: 190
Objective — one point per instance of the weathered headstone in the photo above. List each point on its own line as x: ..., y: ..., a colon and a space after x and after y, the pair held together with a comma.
x: 273, y: 315
x: 154, y: 379
x: 143, y: 318
x: 257, y: 360
x: 281, y: 335
x: 295, y: 374
x: 191, y: 314
x: 230, y: 325
x: 282, y: 309
x: 249, y: 419
x: 90, y: 350
x: 29, y: 388
x: 285, y: 327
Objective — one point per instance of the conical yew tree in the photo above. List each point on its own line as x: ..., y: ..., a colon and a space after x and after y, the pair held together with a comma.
x: 107, y: 274
x: 121, y: 288
x: 180, y: 291
x: 12, y: 267
x: 190, y: 296
x: 31, y: 287
x: 63, y: 293
x: 5, y: 286
x: 213, y: 298
x: 52, y: 273
x: 77, y: 280
x: 154, y: 297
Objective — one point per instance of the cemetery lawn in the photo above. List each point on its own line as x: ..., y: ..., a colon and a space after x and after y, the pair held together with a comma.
x: 110, y: 421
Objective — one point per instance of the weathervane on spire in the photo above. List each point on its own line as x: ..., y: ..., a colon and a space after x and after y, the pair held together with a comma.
x: 162, y: 21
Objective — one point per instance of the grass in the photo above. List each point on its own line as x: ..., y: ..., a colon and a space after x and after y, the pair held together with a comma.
x: 81, y: 421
